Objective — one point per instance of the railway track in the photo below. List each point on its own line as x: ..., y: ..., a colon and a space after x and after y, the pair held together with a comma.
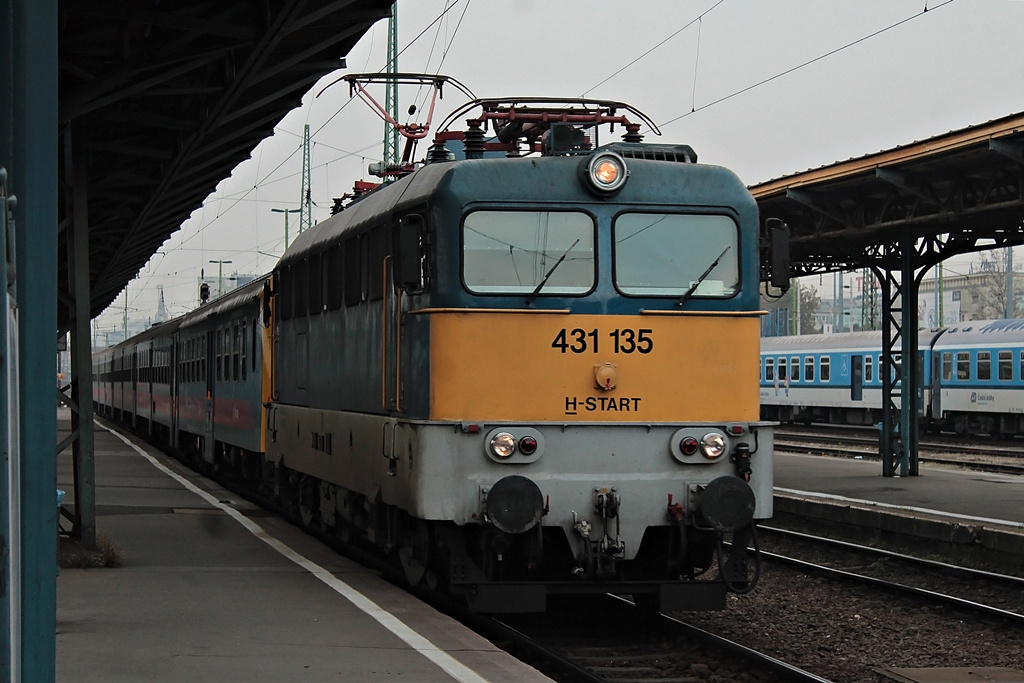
x: 863, y: 444
x: 611, y: 640
x: 986, y: 594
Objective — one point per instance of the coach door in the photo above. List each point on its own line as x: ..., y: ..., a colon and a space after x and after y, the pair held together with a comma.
x: 856, y: 378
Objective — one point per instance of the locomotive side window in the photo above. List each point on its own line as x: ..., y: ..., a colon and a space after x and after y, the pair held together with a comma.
x: 1005, y: 365
x: 660, y: 254
x: 963, y: 365
x: 353, y: 269
x: 284, y: 296
x: 769, y: 369
x: 947, y: 366
x: 316, y: 284
x: 300, y: 284
x: 333, y: 277
x: 826, y: 369
x: 809, y: 368
x: 985, y: 365
x: 511, y: 252
x: 794, y: 368
x: 377, y: 249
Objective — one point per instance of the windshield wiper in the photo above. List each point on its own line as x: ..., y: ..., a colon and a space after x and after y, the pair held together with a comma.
x: 540, y: 285
x: 693, y: 288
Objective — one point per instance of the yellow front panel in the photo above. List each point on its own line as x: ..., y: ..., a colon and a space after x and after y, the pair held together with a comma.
x: 537, y: 366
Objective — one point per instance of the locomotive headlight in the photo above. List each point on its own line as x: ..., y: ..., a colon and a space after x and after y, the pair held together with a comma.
x: 605, y: 172
x: 503, y: 444
x: 712, y: 445
x: 688, y: 445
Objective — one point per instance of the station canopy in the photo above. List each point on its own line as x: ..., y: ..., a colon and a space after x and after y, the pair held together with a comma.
x: 159, y: 101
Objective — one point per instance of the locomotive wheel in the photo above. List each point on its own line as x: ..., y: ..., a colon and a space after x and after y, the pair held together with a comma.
x: 309, y: 503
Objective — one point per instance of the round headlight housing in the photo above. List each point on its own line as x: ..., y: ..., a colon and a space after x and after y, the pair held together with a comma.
x: 712, y: 445
x: 503, y: 445
x: 605, y: 172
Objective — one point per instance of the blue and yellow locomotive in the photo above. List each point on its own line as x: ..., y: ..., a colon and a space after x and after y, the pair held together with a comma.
x: 526, y: 366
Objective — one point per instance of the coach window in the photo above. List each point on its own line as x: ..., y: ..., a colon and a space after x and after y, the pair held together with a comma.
x: 511, y: 252
x: 794, y: 368
x: 826, y: 369
x: 236, y: 352
x: 963, y: 365
x: 1005, y: 365
x: 1021, y: 365
x: 769, y: 369
x: 659, y: 254
x: 809, y: 368
x: 947, y: 366
x: 869, y: 369
x: 984, y: 366
x: 782, y: 369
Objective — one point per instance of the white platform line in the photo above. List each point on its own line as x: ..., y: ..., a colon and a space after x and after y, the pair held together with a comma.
x: 906, y: 508
x: 417, y: 642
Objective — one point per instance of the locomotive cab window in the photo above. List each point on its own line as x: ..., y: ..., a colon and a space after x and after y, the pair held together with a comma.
x: 659, y: 254
x: 511, y: 252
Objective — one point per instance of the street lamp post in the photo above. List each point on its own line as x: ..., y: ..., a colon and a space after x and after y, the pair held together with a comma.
x: 220, y: 276
x: 286, y: 212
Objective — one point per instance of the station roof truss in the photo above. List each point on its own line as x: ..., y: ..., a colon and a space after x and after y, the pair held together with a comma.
x: 955, y: 193
x: 163, y: 100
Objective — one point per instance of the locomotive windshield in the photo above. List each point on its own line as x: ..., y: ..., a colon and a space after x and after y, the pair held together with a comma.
x: 658, y: 254
x: 510, y: 252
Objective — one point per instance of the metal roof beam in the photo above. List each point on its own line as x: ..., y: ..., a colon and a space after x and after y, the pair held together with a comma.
x: 909, y: 182
x: 1011, y: 149
x: 86, y: 101
x: 813, y: 202
x: 165, y: 18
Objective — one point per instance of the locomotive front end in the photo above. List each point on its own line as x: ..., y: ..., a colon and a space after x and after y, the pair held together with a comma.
x: 593, y: 340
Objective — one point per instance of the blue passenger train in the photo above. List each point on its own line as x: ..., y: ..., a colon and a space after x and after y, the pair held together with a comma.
x: 972, y: 378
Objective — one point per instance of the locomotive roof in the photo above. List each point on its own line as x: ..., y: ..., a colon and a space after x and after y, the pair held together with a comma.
x: 415, y: 189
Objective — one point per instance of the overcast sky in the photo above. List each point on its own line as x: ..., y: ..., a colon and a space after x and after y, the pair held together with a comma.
x: 765, y: 88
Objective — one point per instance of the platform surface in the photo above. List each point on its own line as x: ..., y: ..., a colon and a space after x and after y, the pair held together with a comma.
x: 212, y: 588
x: 974, y: 497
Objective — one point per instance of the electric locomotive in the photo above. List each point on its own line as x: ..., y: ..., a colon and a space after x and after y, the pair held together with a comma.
x: 525, y: 366
x: 534, y: 372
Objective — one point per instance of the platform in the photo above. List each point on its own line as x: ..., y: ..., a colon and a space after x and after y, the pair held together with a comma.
x: 962, y: 507
x: 211, y: 587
